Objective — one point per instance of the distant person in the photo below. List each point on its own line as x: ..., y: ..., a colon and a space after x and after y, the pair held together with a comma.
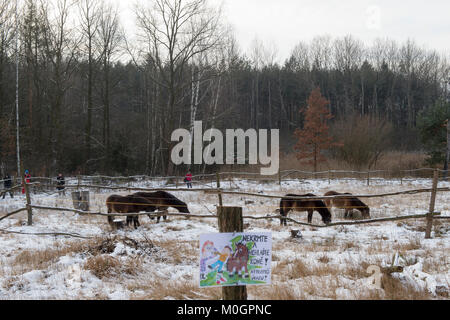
x: 27, y: 178
x: 7, y: 183
x: 60, y: 184
x: 188, y: 179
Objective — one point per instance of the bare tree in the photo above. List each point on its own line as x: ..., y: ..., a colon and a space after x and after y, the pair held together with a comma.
x: 321, y: 52
x: 174, y: 32
x: 7, y: 30
x: 89, y: 23
x: 61, y: 52
x: 301, y: 57
x: 109, y: 39
x: 364, y: 140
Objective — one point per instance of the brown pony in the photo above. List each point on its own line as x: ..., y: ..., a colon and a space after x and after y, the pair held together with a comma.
x: 128, y: 204
x: 238, y: 261
x: 162, y: 200
x: 287, y: 204
x: 347, y: 203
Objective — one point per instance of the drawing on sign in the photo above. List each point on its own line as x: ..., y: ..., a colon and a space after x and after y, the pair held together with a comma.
x: 228, y: 259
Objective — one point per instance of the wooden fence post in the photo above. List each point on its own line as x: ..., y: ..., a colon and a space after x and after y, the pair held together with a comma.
x: 218, y: 187
x: 230, y: 220
x: 29, y: 209
x: 329, y: 176
x: 432, y: 202
x: 279, y: 177
x: 368, y: 177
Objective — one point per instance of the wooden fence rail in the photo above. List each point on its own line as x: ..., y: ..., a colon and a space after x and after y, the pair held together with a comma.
x: 436, y: 215
x: 220, y: 192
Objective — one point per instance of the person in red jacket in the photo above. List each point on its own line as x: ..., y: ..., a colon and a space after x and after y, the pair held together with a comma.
x: 188, y: 179
x: 27, y: 177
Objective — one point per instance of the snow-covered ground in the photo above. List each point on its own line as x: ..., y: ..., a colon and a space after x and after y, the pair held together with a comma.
x: 160, y: 261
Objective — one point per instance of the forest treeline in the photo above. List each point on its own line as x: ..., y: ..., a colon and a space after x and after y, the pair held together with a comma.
x: 94, y: 99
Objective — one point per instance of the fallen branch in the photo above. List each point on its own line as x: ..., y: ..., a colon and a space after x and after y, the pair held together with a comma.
x: 47, y: 234
x: 14, y: 212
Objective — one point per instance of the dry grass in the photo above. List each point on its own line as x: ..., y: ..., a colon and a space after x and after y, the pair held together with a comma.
x: 391, y: 160
x: 28, y: 259
x: 103, y: 266
x: 106, y: 266
x: 413, y: 244
x: 100, y: 262
x: 180, y: 252
x: 275, y: 292
x: 394, y: 289
x: 324, y: 258
x: 179, y: 290
x: 297, y: 269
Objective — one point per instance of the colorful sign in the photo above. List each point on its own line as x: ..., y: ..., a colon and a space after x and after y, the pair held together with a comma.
x: 240, y: 258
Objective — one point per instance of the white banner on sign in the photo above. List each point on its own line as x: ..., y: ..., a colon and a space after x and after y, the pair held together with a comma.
x: 239, y: 258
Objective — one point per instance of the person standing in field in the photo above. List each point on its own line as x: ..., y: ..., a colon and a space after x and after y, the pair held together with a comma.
x: 7, y: 183
x: 60, y: 184
x: 188, y: 179
x: 27, y: 178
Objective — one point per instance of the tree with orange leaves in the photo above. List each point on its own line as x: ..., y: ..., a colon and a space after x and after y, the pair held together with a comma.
x: 314, y: 137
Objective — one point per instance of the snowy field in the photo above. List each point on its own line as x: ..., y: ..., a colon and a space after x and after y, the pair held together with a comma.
x: 160, y: 261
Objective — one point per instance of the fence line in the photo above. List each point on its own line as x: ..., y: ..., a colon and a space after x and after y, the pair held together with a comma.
x: 436, y: 215
x: 328, y: 197
x: 237, y: 173
x: 221, y: 192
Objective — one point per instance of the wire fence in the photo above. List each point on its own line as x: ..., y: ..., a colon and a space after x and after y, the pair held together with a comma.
x: 284, y: 175
x: 214, y: 188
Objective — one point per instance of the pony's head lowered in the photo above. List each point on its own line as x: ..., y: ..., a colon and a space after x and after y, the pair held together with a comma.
x: 181, y: 206
x: 325, y: 213
x: 365, y: 212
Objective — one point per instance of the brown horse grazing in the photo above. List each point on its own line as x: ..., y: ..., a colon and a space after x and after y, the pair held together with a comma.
x: 347, y: 203
x: 162, y: 200
x: 128, y: 204
x: 238, y: 261
x: 287, y: 204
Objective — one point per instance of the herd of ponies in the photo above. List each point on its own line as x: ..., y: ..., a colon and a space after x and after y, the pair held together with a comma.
x: 162, y: 200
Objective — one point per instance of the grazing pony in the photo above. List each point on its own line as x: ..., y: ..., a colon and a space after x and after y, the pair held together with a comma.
x: 127, y: 204
x: 347, y: 203
x: 310, y: 205
x: 238, y: 261
x: 162, y: 200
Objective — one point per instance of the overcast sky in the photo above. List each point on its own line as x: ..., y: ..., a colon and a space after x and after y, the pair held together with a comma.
x: 284, y: 23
